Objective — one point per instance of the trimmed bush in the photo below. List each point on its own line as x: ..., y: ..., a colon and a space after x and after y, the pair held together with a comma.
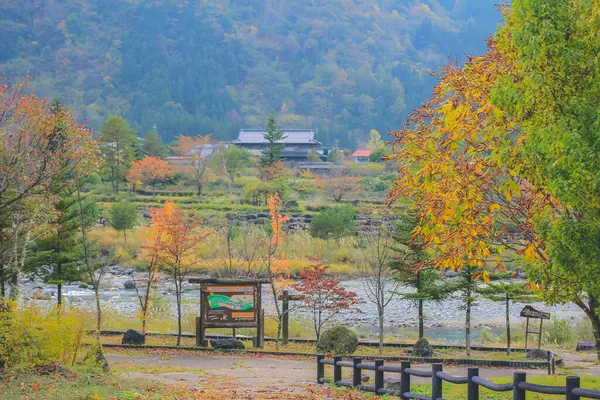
x: 338, y: 340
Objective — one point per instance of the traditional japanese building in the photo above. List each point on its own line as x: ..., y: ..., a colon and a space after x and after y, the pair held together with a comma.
x: 298, y: 144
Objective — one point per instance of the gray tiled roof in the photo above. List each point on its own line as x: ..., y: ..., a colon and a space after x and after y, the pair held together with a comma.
x: 295, y: 136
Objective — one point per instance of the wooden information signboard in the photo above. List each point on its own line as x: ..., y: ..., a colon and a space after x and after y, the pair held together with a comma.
x: 530, y: 312
x: 229, y: 304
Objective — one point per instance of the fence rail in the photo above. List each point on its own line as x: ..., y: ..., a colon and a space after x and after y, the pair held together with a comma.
x: 519, y: 386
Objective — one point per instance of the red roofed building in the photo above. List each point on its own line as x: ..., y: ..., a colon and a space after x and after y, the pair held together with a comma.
x: 361, y: 156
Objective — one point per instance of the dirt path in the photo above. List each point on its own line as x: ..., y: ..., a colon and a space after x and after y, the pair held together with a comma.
x: 260, y: 375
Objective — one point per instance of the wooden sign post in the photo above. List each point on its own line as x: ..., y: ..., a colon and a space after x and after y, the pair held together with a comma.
x: 228, y: 303
x: 530, y: 312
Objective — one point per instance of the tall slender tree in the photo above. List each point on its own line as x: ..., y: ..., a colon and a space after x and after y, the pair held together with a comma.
x: 118, y: 146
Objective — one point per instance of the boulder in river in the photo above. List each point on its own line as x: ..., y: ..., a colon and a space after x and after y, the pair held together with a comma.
x: 226, y: 344
x: 129, y: 284
x: 134, y: 337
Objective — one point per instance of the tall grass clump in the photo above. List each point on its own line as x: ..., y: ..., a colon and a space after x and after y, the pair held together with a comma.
x: 31, y: 336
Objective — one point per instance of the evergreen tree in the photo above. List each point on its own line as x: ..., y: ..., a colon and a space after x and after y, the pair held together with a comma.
x: 123, y: 216
x: 118, y: 146
x: 153, y: 145
x: 54, y: 257
x: 507, y: 292
x: 412, y: 269
x: 272, y: 153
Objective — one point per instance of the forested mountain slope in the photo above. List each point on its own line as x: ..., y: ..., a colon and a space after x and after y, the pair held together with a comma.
x: 341, y: 66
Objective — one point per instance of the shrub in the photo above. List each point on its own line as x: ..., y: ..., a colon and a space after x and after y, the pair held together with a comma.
x: 32, y: 337
x: 334, y: 223
x: 338, y: 340
x: 558, y: 332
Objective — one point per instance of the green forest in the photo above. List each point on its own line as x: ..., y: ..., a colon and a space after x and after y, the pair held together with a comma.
x: 213, y: 66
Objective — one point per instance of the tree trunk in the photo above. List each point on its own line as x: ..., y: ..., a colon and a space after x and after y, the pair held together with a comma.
x: 590, y: 310
x: 596, y: 328
x: 144, y: 321
x: 380, y: 330
x: 178, y: 298
x: 59, y: 285
x: 507, y: 325
x: 421, y: 324
x: 198, y: 189
x: 98, y: 312
x: 2, y: 281
x: 14, y: 284
x: 468, y: 319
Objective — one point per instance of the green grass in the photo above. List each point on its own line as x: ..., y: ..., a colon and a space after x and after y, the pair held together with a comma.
x: 459, y: 392
x: 77, y: 383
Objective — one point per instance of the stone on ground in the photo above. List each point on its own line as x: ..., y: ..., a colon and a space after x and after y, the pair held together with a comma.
x: 227, y: 344
x: 134, y: 337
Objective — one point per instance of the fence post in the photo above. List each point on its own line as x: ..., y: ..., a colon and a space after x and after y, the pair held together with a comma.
x: 472, y: 387
x: 519, y: 394
x: 436, y: 383
x: 549, y: 362
x: 320, y: 368
x: 378, y: 376
x: 404, y: 379
x: 572, y: 383
x: 356, y: 375
x: 337, y: 369
x: 285, y: 328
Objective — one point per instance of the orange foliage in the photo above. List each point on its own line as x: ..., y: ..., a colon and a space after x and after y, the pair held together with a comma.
x: 149, y: 170
x: 273, y: 172
x: 42, y: 148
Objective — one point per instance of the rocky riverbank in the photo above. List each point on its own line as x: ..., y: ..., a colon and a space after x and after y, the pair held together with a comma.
x: 118, y: 294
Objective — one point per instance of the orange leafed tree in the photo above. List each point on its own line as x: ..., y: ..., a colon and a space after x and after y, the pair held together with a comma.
x: 148, y: 170
x: 151, y: 250
x: 177, y: 250
x: 273, y: 172
x: 43, y: 152
x: 193, y: 147
x: 275, y: 262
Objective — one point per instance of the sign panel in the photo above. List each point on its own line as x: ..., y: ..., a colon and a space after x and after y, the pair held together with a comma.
x: 230, y: 305
x: 530, y: 312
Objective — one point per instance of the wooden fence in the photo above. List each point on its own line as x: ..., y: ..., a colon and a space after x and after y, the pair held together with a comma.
x: 519, y: 386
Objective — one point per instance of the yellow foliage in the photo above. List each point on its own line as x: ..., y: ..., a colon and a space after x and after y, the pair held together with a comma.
x: 33, y: 336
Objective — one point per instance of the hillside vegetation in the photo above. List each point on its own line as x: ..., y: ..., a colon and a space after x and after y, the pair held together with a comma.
x: 341, y: 66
